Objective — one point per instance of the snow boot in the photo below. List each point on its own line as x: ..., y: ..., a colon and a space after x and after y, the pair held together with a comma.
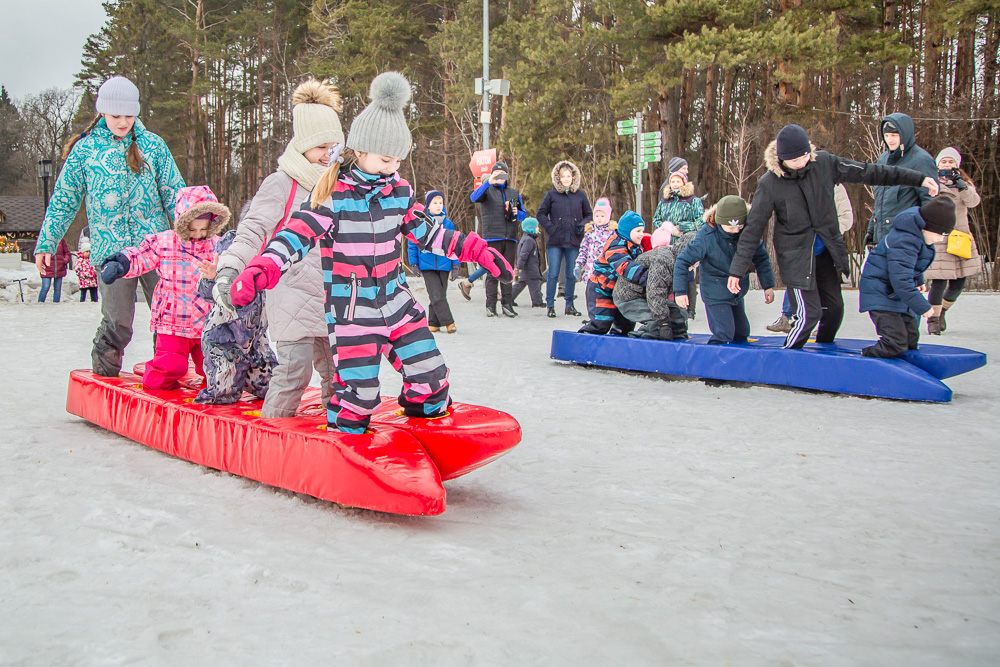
x: 465, y: 287
x: 781, y: 325
x: 570, y: 310
x: 945, y: 305
x: 508, y: 311
x: 450, y: 328
x: 934, y: 326
x: 491, y: 311
x: 433, y: 329
x: 551, y: 312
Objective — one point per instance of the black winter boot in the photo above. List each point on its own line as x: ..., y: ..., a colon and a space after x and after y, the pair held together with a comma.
x: 508, y: 311
x: 551, y: 312
x: 491, y: 311
x: 570, y: 310
x: 934, y: 326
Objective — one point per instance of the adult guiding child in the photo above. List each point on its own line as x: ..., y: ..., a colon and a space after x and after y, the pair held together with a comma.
x: 130, y: 182
x: 798, y: 191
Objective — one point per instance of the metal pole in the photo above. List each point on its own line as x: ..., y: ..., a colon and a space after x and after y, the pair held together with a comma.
x: 45, y: 193
x: 638, y: 163
x: 486, y: 74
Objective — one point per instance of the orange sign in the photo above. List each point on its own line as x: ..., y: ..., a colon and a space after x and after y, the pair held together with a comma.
x: 482, y: 161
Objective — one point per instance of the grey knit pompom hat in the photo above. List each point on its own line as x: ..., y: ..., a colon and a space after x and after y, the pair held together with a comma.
x: 381, y: 128
x: 118, y: 97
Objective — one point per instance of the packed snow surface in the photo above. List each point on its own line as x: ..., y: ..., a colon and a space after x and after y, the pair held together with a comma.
x: 640, y: 522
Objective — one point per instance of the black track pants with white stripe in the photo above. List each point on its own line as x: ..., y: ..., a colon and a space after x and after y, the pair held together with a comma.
x: 824, y: 304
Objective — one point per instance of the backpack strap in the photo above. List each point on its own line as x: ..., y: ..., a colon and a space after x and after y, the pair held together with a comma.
x: 284, y: 218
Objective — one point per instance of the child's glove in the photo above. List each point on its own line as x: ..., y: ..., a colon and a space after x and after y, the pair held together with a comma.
x: 261, y: 274
x: 474, y: 249
x: 576, y: 272
x: 221, y: 290
x: 114, y: 267
x: 454, y: 273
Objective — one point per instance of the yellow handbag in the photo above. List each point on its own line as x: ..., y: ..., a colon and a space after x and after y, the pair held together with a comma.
x: 960, y: 244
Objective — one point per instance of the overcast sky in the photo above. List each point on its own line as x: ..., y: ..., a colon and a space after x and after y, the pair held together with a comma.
x: 43, y: 41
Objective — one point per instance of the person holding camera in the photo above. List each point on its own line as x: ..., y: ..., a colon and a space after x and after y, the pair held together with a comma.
x: 946, y: 276
x: 501, y: 211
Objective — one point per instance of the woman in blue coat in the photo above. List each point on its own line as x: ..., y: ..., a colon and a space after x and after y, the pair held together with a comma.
x: 563, y: 213
x: 715, y: 247
x: 435, y: 269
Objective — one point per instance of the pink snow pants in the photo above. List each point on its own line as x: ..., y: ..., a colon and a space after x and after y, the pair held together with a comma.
x: 170, y: 362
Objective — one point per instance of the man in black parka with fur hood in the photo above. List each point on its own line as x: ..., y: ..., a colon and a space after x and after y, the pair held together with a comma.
x: 798, y: 190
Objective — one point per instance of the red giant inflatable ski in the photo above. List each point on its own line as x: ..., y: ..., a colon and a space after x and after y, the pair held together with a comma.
x: 398, y: 467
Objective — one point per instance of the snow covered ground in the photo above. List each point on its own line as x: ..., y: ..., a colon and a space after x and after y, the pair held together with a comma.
x: 640, y: 522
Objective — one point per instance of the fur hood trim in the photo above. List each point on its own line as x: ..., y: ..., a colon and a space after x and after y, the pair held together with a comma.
x: 709, y: 216
x: 687, y: 190
x: 563, y: 164
x: 772, y: 162
x: 182, y: 225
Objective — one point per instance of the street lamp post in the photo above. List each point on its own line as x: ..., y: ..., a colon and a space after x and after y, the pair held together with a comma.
x: 44, y: 173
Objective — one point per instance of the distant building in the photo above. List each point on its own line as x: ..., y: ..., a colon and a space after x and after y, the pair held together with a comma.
x: 21, y: 218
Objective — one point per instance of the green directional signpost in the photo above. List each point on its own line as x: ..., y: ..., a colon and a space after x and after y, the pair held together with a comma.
x: 648, y: 150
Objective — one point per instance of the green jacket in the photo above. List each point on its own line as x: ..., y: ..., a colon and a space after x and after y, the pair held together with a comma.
x: 122, y: 207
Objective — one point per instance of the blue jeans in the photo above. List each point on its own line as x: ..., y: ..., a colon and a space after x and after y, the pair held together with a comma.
x: 56, y: 284
x: 477, y: 274
x: 786, y: 306
x: 555, y: 257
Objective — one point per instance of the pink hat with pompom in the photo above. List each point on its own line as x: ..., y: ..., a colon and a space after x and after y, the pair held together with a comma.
x: 661, y: 236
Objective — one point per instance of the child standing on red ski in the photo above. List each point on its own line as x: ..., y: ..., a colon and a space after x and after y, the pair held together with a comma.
x: 177, y: 312
x: 358, y: 217
x: 617, y: 260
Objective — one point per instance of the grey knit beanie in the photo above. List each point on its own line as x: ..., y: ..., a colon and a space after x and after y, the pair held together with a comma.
x: 381, y: 128
x: 118, y: 97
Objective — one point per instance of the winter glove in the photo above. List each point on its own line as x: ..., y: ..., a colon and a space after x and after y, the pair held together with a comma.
x: 261, y: 274
x: 474, y: 249
x: 870, y: 234
x: 960, y: 184
x: 221, y: 290
x: 114, y: 267
x: 576, y: 272
x: 416, y: 271
x: 454, y: 272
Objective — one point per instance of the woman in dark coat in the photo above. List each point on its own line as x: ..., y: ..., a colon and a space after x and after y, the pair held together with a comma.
x: 564, y: 212
x: 53, y: 274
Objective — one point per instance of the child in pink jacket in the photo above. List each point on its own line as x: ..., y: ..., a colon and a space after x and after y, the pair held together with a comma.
x: 177, y: 312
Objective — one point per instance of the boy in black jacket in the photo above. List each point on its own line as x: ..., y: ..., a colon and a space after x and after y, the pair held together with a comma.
x: 798, y: 190
x: 529, y: 272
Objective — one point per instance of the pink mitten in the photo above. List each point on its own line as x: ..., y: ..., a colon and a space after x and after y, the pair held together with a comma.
x: 261, y: 274
x: 474, y: 249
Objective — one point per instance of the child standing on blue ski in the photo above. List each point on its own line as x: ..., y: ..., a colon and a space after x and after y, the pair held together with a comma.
x: 358, y: 217
x: 714, y: 247
x: 892, y: 280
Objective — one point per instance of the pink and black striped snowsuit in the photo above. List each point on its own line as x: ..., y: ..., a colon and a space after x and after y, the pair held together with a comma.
x: 370, y: 312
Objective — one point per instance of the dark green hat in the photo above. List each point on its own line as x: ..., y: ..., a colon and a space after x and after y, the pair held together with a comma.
x: 731, y: 210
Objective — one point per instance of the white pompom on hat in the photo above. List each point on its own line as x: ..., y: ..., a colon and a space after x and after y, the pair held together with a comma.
x: 118, y: 97
x: 314, y: 116
x: 381, y: 127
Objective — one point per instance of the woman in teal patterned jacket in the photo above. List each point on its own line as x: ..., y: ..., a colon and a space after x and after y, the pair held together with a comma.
x: 130, y: 183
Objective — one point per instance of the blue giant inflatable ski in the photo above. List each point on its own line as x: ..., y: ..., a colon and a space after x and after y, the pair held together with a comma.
x: 836, y: 367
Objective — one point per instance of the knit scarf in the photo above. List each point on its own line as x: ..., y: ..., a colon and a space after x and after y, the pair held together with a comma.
x: 298, y: 167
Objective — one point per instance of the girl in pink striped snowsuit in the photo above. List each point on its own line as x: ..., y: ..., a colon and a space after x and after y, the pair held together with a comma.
x: 358, y: 218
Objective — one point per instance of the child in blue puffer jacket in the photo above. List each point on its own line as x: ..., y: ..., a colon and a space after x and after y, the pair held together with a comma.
x: 892, y: 278
x: 435, y: 268
x: 715, y: 246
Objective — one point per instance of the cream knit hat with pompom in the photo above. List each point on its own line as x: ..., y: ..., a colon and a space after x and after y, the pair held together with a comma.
x: 314, y: 116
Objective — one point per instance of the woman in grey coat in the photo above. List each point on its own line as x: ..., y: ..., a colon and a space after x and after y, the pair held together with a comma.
x: 295, y: 308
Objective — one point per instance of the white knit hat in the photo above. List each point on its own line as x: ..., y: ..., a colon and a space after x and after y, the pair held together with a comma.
x: 949, y: 152
x: 314, y: 116
x: 118, y: 97
x: 381, y: 127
